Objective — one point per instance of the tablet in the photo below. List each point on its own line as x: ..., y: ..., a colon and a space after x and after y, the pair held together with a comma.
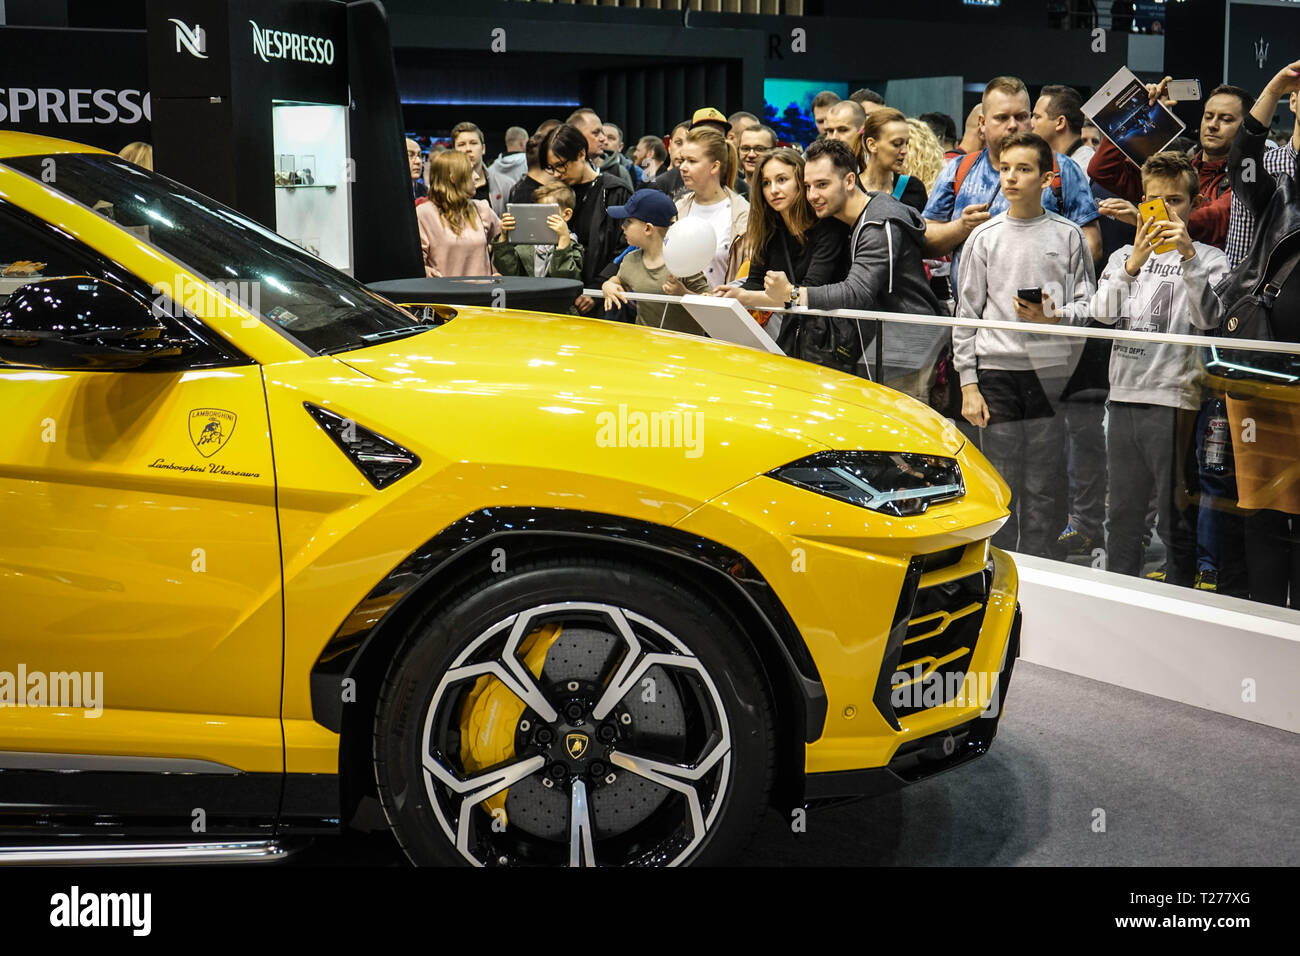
x: 530, y: 223
x: 1120, y: 109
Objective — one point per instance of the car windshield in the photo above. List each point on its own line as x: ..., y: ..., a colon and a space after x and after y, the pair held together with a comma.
x: 312, y: 302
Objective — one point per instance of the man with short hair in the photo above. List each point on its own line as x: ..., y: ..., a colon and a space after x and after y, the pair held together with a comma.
x: 614, y: 142
x: 416, y: 162
x: 740, y: 121
x: 821, y: 104
x: 967, y: 192
x: 867, y: 99
x: 754, y: 142
x: 613, y: 137
x: 972, y: 137
x: 676, y: 140
x: 651, y: 156
x: 1224, y: 109
x: 513, y: 163
x: 944, y: 128
x: 588, y: 122
x: 844, y: 121
x: 492, y: 188
x: 886, y: 245
x: 1058, y: 118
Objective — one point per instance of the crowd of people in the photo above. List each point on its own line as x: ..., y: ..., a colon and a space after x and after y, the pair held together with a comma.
x: 1024, y: 215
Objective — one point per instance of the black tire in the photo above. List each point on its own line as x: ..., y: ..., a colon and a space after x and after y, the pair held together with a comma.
x: 712, y: 688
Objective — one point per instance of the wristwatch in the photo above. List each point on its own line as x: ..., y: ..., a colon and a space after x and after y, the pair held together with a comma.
x: 796, y: 293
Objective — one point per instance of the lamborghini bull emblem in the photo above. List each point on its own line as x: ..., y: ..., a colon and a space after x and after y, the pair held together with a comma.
x: 576, y: 745
x: 210, y: 429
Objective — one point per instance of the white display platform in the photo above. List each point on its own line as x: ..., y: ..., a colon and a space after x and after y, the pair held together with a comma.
x: 1223, y: 654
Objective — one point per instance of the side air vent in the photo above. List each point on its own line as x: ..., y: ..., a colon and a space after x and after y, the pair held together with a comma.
x: 380, y: 459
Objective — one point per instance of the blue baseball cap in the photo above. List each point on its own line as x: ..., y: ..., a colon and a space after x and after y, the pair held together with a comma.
x: 649, y: 205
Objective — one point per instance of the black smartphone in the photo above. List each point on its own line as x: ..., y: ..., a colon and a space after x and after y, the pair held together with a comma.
x: 1031, y: 295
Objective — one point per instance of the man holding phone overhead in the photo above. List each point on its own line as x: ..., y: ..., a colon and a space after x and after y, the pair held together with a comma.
x: 1208, y: 223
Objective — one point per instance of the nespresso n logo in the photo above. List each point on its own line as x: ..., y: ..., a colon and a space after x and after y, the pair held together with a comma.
x: 279, y: 45
x: 193, y: 39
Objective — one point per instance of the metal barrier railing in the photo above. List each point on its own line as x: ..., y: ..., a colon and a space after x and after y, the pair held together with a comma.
x: 880, y: 319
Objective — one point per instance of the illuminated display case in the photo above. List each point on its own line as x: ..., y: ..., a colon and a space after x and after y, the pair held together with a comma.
x: 312, y: 177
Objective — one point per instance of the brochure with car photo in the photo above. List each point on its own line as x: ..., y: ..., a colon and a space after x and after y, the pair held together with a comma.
x: 1122, y: 111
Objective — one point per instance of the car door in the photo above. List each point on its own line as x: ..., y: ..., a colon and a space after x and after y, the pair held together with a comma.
x: 141, y: 625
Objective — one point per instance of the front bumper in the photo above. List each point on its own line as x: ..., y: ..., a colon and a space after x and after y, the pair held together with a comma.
x: 929, y: 755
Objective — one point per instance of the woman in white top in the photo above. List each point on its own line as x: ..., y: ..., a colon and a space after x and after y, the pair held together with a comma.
x: 708, y: 166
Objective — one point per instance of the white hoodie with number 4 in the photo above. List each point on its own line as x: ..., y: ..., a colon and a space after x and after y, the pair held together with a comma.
x: 1169, y: 294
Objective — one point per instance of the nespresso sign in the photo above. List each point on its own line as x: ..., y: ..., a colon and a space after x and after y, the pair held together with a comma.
x: 46, y: 105
x: 280, y: 45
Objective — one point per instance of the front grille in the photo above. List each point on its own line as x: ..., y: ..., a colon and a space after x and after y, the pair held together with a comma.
x: 942, y: 559
x: 941, y: 634
x: 935, y: 630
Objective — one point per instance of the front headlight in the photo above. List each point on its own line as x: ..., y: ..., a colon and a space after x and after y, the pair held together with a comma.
x: 893, y: 483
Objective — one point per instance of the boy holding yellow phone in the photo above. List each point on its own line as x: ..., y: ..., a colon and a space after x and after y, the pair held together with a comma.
x: 1164, y: 282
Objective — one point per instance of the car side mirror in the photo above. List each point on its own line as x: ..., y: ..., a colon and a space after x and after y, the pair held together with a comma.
x: 80, y: 323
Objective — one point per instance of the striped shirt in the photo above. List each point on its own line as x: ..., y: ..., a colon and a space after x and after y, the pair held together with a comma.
x: 1241, y: 227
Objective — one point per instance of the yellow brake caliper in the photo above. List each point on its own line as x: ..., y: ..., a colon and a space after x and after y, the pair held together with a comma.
x: 490, y: 715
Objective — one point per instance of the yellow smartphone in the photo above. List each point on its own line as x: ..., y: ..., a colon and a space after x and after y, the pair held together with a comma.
x: 1155, y: 209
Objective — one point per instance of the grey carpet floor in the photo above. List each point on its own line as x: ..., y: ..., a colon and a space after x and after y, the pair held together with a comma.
x: 1179, y: 786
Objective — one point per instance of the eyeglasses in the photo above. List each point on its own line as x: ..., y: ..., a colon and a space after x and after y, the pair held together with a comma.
x: 752, y: 149
x: 557, y: 169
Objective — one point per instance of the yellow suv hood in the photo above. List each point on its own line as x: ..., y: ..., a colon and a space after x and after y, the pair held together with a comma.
x: 549, y: 364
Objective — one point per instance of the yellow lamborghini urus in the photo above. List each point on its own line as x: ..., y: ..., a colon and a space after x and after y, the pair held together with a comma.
x: 546, y: 590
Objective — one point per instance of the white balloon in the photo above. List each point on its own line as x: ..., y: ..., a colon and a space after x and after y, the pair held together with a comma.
x: 689, y: 247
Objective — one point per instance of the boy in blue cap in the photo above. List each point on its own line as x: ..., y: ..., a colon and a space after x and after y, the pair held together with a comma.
x: 646, y: 218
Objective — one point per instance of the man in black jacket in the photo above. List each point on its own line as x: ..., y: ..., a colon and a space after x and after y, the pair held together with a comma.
x: 1248, y: 154
x: 886, y: 243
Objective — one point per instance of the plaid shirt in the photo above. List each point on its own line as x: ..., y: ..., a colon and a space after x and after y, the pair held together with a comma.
x: 1241, y: 228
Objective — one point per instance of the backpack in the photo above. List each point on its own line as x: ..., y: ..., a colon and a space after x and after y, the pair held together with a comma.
x: 1250, y: 316
x: 970, y: 159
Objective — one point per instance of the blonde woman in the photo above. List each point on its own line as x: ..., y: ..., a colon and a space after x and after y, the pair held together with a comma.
x: 455, y: 228
x: 139, y: 153
x: 881, y: 150
x: 924, y: 155
x: 708, y: 167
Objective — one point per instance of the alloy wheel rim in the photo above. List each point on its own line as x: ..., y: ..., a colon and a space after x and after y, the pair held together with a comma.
x: 584, y: 736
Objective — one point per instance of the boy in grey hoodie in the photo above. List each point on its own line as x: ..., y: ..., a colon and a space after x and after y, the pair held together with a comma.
x: 1012, y: 381
x: 886, y: 273
x: 1155, y: 389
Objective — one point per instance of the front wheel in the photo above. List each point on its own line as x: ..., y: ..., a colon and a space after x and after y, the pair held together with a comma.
x: 579, y: 713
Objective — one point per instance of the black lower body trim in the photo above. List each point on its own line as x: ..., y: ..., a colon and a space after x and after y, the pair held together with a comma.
x: 111, y: 805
